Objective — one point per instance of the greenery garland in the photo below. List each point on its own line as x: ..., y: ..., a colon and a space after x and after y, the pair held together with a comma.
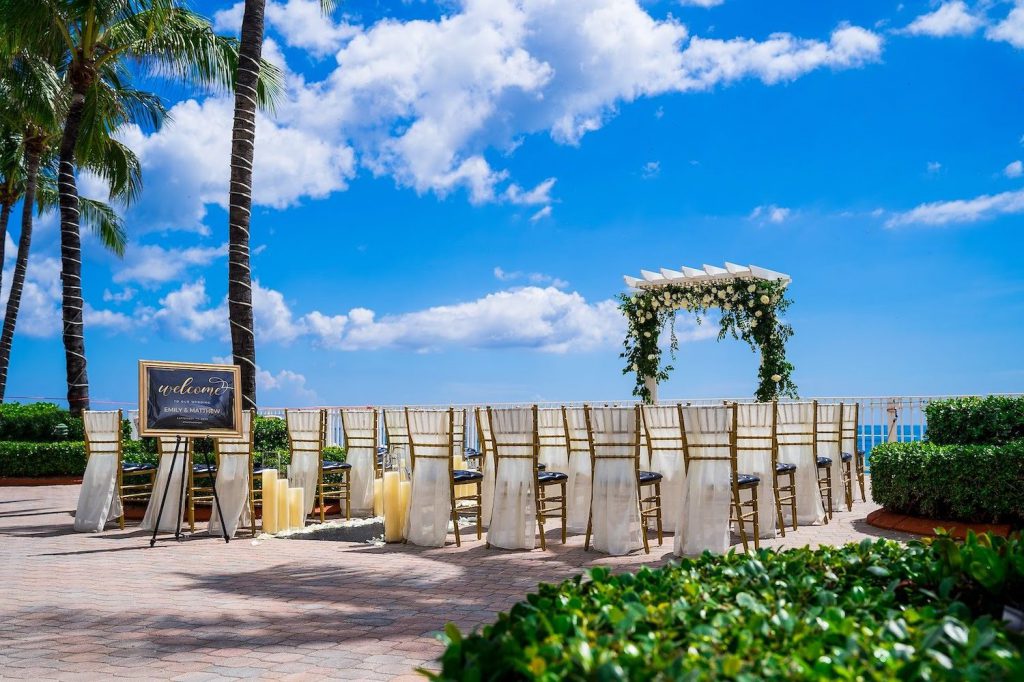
x: 750, y: 310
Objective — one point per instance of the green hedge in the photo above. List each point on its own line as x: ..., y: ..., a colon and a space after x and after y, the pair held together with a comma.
x: 874, y: 611
x: 973, y: 483
x: 37, y: 422
x: 992, y: 420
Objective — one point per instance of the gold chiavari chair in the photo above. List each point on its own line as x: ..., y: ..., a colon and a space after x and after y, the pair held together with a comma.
x: 486, y: 463
x: 360, y: 438
x: 757, y: 435
x: 441, y: 445
x: 201, y: 478
x: 713, y: 440
x: 852, y: 454
x: 511, y: 443
x: 165, y: 448
x: 577, y: 444
x: 332, y: 478
x: 103, y: 437
x: 234, y: 447
x: 607, y: 445
x: 828, y: 433
x: 662, y: 433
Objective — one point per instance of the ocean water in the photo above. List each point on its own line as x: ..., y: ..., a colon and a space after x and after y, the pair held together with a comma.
x: 871, y: 435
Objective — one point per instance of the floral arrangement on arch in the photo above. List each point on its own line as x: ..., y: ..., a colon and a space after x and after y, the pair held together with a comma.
x: 750, y: 310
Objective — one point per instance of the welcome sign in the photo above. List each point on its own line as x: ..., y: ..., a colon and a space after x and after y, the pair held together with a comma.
x: 178, y: 398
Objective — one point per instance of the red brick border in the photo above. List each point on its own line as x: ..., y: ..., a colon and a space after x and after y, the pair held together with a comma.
x: 39, y: 480
x: 881, y: 518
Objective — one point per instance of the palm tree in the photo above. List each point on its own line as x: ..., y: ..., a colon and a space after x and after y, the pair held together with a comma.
x: 243, y: 144
x: 30, y: 90
x: 98, y: 41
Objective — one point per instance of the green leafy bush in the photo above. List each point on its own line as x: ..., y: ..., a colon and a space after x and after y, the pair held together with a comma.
x: 973, y: 483
x: 19, y: 459
x: 975, y: 421
x: 874, y: 611
x: 269, y: 433
x: 333, y: 453
x: 38, y: 423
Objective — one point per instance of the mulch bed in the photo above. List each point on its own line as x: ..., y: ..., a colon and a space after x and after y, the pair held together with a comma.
x: 881, y: 518
x: 33, y: 480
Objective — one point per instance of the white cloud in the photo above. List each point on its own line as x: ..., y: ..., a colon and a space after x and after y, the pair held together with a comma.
x: 933, y: 167
x: 541, y: 194
x: 122, y: 296
x: 541, y: 214
x: 39, y: 311
x: 284, y: 383
x: 186, y: 313
x: 272, y: 317
x: 150, y: 264
x: 503, y: 275
x: 1014, y: 169
x: 650, y: 170
x: 300, y: 22
x: 770, y: 213
x: 950, y: 19
x: 1010, y: 29
x: 939, y: 213
x: 701, y: 3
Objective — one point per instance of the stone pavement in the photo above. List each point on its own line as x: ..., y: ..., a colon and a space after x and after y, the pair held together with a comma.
x: 87, y: 607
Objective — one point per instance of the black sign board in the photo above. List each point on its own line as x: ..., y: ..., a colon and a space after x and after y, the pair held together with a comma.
x: 177, y: 398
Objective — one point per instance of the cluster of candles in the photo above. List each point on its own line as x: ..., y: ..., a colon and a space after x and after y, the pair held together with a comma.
x: 391, y: 500
x: 284, y: 508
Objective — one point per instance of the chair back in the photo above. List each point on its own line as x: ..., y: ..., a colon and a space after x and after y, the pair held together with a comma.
x: 359, y: 432
x: 551, y: 437
x: 613, y: 433
x: 431, y: 434
x: 165, y: 446
x: 396, y: 428
x: 797, y: 424
x: 237, y: 446
x: 851, y: 418
x: 515, y: 432
x: 459, y: 429
x: 756, y: 433
x: 828, y: 429
x: 576, y: 439
x: 307, y: 432
x: 709, y: 434
x: 663, y: 428
x: 102, y: 432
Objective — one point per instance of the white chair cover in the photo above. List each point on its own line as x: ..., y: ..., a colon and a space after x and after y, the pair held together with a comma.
x: 232, y: 481
x: 306, y: 436
x: 430, y: 498
x: 579, y: 486
x: 754, y: 456
x: 486, y: 465
x: 169, y: 520
x: 850, y: 444
x: 665, y: 436
x: 398, y: 436
x: 551, y: 434
x: 793, y: 419
x: 645, y: 447
x: 703, y: 522
x: 830, y: 424
x: 514, y: 519
x: 615, y: 505
x: 361, y: 453
x: 99, y: 501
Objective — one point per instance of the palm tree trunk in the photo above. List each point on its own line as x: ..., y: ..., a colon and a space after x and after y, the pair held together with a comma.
x: 33, y: 150
x: 71, y: 261
x: 5, y: 216
x: 243, y: 140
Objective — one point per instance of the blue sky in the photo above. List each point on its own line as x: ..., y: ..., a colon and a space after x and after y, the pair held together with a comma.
x: 480, y: 175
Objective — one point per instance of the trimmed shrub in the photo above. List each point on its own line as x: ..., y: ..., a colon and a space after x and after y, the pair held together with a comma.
x: 991, y: 420
x: 19, y: 459
x: 269, y: 434
x: 877, y: 611
x: 334, y: 453
x: 38, y: 423
x: 972, y: 483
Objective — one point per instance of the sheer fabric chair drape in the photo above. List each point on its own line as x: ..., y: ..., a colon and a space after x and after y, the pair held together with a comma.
x: 796, y: 434
x: 754, y: 445
x: 703, y: 521
x: 397, y: 431
x: 551, y: 435
x: 98, y: 500
x: 483, y: 429
x: 665, y: 437
x: 850, y: 445
x: 615, y: 507
x: 232, y: 483
x: 430, y: 432
x: 829, y: 433
x: 578, y: 489
x: 306, y: 436
x: 360, y: 431
x: 175, y: 489
x: 514, y: 519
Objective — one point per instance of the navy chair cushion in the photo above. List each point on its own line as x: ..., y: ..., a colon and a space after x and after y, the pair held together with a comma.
x: 466, y: 476
x: 336, y: 466
x: 747, y: 480
x: 132, y: 468
x: 547, y: 477
x: 200, y: 468
x: 648, y: 477
x: 824, y: 461
x: 847, y: 456
x: 784, y: 467
x: 541, y: 466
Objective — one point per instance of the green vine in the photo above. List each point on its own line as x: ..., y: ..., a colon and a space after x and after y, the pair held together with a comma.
x: 750, y: 310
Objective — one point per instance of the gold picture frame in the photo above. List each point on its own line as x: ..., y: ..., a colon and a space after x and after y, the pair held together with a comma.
x: 195, y: 407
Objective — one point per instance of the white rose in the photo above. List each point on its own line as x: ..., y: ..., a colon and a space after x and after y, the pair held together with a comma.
x: 757, y: 314
x: 651, y: 356
x: 649, y: 317
x: 753, y: 323
x: 721, y: 294
x: 776, y: 378
x: 765, y: 300
x: 647, y: 335
x: 752, y: 288
x: 706, y: 299
x: 636, y: 367
x: 728, y: 306
x: 729, y: 289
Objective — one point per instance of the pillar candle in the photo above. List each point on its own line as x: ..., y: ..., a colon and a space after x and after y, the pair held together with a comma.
x: 296, y: 507
x: 404, y: 494
x: 269, y: 504
x: 392, y: 508
x: 378, y: 497
x: 282, y: 504
x: 461, y: 490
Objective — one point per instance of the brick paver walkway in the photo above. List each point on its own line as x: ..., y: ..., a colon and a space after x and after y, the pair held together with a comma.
x: 99, y: 606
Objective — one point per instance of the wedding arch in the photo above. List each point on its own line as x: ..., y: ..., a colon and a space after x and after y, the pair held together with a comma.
x: 750, y: 299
